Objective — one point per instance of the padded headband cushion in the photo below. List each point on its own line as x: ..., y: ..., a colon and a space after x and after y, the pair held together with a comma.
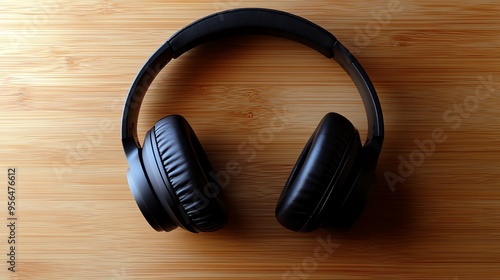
x: 188, y: 171
x: 332, y: 147
x: 253, y: 20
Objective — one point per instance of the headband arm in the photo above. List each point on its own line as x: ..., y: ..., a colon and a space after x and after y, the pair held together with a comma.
x: 138, y: 90
x: 367, y: 91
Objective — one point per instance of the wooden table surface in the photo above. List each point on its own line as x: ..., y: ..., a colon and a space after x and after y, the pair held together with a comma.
x: 65, y: 70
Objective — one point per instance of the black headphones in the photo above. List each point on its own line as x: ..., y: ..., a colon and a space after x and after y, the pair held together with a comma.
x: 169, y: 176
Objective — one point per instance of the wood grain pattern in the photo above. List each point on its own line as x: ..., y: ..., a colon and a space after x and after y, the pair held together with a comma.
x: 66, y: 67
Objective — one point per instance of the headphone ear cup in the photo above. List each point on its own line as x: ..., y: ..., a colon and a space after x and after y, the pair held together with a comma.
x: 198, y: 202
x: 320, y: 172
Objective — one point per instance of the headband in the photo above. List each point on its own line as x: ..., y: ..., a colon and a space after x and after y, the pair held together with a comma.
x: 260, y: 21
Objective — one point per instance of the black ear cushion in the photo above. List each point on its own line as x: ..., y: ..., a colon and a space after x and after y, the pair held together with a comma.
x: 327, y: 155
x: 189, y: 173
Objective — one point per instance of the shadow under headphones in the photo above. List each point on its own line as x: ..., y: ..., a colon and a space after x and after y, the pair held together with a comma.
x: 169, y: 176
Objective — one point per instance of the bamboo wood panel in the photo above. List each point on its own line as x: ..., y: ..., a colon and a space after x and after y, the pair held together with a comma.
x: 65, y: 70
